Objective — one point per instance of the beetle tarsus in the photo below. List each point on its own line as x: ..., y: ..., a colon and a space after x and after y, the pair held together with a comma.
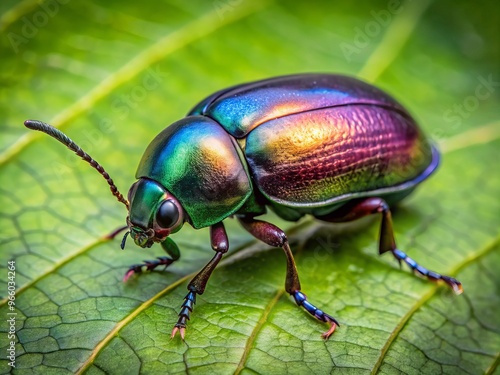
x: 184, y: 315
x: 149, y: 265
x: 454, y: 284
x: 359, y: 208
x: 422, y: 271
x: 301, y: 300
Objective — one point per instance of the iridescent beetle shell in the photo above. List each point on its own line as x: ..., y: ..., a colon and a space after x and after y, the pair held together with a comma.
x: 300, y: 144
x: 320, y: 144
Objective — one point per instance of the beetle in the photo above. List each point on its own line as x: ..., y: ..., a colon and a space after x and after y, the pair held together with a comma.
x: 325, y: 145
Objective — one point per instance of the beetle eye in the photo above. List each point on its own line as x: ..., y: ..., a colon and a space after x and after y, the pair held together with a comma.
x: 167, y: 215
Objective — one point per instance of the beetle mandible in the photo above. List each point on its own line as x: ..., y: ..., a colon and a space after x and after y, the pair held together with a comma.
x: 325, y: 145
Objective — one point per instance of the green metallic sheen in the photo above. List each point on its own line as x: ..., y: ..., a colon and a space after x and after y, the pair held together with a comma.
x: 171, y: 248
x: 201, y: 165
x: 145, y: 197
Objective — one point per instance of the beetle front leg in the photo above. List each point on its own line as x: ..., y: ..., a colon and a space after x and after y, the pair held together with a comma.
x: 149, y: 265
x: 274, y: 236
x: 363, y: 207
x: 220, y: 244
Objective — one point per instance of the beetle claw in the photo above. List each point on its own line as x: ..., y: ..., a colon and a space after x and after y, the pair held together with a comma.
x: 326, y: 335
x: 129, y: 273
x: 150, y: 265
x: 181, y: 330
x: 454, y: 284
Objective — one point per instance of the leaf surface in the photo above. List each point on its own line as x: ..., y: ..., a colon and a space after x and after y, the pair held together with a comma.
x: 114, y: 80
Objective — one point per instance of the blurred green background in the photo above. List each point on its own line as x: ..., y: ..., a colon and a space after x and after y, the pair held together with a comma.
x: 113, y: 74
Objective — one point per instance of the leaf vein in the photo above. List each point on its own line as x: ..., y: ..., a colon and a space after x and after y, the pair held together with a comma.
x: 394, y: 39
x: 13, y: 14
x: 170, y: 43
x: 426, y: 297
x: 494, y: 365
x: 256, y: 330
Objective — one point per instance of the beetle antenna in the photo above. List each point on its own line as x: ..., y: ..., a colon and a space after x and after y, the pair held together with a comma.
x: 124, y: 240
x: 64, y: 139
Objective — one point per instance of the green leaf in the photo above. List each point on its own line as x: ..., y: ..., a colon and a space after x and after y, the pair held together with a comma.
x: 113, y: 74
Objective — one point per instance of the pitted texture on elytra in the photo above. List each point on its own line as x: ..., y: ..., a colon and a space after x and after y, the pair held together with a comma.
x: 317, y: 156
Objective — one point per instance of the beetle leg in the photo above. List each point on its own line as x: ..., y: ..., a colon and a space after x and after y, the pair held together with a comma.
x: 148, y: 265
x: 114, y: 233
x: 359, y: 208
x: 220, y: 244
x: 274, y: 236
x: 169, y: 246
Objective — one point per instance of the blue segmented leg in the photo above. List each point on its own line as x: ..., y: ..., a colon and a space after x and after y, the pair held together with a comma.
x: 274, y: 236
x: 369, y: 206
x: 422, y: 271
x: 301, y: 300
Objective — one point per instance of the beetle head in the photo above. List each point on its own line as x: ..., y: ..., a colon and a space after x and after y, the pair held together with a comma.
x: 154, y: 213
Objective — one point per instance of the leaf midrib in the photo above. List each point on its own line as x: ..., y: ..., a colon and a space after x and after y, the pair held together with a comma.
x: 251, y: 339
x: 14, y: 13
x: 395, y: 37
x: 190, y: 32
